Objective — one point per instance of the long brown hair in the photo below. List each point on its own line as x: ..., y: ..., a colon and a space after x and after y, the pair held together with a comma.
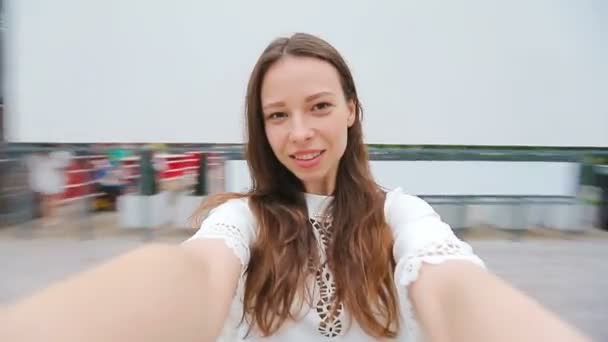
x: 360, y: 251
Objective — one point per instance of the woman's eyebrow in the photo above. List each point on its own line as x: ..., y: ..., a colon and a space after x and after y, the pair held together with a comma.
x: 274, y: 104
x: 317, y: 95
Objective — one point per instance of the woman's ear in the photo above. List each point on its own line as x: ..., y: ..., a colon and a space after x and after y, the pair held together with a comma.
x: 352, y: 112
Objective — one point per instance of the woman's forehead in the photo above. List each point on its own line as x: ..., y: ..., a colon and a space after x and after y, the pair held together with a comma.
x: 299, y: 77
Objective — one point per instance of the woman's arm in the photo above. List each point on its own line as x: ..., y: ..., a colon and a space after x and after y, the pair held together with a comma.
x: 459, y: 301
x: 155, y: 293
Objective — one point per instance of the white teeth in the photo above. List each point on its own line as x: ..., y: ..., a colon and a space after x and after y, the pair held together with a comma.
x: 307, y: 156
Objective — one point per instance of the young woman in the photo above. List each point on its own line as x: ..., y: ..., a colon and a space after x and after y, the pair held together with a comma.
x: 315, y: 251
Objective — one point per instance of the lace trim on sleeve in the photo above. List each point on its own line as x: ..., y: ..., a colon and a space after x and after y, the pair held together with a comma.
x: 232, y: 236
x: 434, y: 253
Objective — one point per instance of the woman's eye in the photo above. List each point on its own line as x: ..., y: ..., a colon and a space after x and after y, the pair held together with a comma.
x: 321, y: 106
x: 275, y: 116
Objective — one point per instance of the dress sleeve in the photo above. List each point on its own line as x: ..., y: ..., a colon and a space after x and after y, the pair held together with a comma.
x: 421, y: 237
x: 232, y: 222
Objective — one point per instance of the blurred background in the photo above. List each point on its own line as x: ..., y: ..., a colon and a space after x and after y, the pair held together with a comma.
x: 117, y: 118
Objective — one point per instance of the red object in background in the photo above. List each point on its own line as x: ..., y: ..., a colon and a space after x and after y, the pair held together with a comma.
x: 79, y: 173
x: 178, y: 165
x: 79, y: 177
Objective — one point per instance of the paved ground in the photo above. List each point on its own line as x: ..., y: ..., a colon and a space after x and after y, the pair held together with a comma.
x: 570, y: 276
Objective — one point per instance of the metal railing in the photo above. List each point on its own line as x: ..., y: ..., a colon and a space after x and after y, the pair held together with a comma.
x: 514, y: 213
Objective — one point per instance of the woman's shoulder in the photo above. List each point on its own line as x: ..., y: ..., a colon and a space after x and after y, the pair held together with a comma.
x: 234, y: 204
x: 414, y: 221
x: 421, y: 235
x: 233, y: 210
x: 402, y: 206
x: 232, y: 222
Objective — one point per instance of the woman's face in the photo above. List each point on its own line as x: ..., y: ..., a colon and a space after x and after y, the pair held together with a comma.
x: 306, y: 119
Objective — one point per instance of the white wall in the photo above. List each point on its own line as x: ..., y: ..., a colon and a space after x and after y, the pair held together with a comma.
x: 456, y: 177
x: 518, y: 72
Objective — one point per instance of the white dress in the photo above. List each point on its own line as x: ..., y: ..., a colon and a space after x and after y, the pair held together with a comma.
x: 420, y: 236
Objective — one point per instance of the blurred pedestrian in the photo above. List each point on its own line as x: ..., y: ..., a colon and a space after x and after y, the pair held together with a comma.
x: 47, y: 179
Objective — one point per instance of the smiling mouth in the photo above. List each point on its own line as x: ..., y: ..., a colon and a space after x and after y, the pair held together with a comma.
x: 307, y: 156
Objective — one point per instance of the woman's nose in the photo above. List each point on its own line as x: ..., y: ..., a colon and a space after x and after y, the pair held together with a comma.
x: 301, y: 131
